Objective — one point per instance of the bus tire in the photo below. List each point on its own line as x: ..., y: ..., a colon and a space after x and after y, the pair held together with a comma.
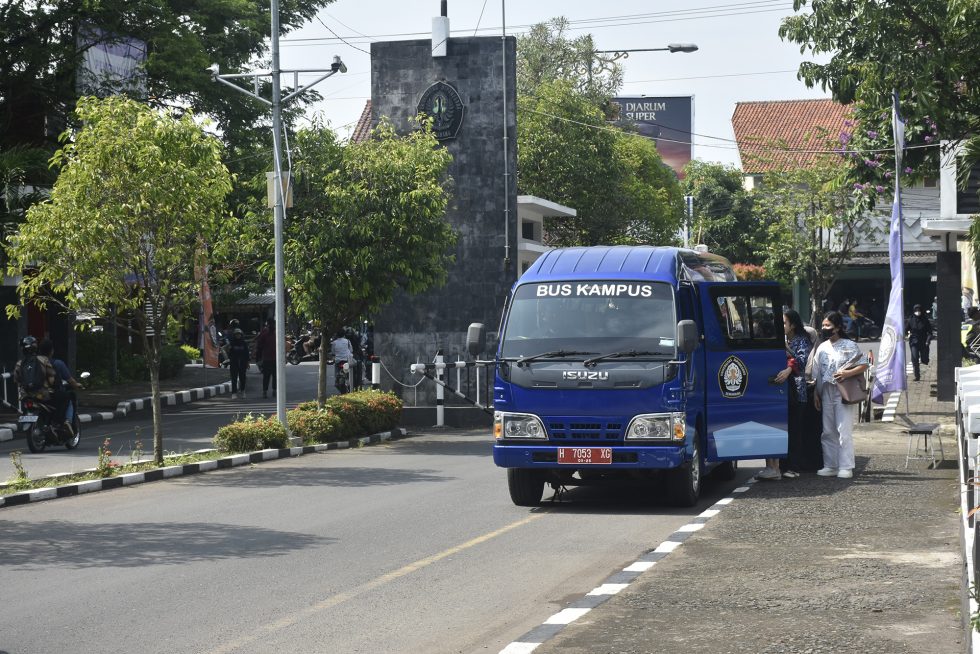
x: 684, y: 483
x: 525, y: 486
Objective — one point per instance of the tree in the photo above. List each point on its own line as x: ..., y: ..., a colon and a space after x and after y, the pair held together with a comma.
x: 139, y: 195
x: 724, y: 219
x: 369, y: 219
x: 42, y: 54
x: 621, y: 190
x: 927, y: 50
x: 546, y: 54
x: 812, y: 225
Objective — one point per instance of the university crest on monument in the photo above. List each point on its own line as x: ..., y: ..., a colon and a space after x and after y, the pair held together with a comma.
x: 441, y: 103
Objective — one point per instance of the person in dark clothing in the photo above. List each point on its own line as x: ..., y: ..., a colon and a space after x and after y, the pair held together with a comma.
x: 238, y: 356
x: 919, y: 331
x: 265, y: 354
x: 65, y: 385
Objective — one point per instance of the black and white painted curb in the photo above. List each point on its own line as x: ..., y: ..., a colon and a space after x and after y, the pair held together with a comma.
x: 616, y: 582
x: 126, y: 407
x: 94, y: 485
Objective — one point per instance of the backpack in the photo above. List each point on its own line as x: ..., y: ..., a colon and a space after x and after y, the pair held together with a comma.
x: 32, y: 376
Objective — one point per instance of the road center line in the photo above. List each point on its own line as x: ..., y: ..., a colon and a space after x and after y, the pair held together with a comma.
x: 339, y: 598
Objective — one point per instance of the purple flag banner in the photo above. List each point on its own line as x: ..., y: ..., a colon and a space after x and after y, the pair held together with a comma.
x: 890, y: 375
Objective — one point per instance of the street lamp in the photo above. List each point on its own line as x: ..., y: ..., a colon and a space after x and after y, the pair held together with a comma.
x: 671, y: 47
x: 274, y: 75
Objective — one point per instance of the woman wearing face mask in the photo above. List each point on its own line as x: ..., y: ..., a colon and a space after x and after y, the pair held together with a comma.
x: 919, y: 331
x: 799, y: 347
x: 838, y: 418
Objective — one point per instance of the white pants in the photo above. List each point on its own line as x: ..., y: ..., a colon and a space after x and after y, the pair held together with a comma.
x: 837, y: 439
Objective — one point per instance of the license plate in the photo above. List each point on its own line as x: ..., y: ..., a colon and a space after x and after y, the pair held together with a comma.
x: 27, y: 419
x: 584, y: 455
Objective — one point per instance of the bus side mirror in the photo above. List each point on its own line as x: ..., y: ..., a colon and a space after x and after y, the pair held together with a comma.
x: 476, y: 339
x: 687, y: 336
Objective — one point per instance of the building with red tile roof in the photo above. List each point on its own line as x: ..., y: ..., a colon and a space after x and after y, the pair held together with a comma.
x: 364, y: 124
x: 779, y: 134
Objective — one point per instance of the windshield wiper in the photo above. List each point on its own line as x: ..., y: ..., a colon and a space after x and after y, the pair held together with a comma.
x: 619, y: 355
x: 547, y: 355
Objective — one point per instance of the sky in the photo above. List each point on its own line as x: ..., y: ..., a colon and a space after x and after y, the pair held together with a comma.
x: 740, y: 58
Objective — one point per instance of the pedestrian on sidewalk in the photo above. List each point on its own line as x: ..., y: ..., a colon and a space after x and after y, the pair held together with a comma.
x: 918, y: 329
x: 265, y: 354
x: 238, y: 356
x: 831, y: 357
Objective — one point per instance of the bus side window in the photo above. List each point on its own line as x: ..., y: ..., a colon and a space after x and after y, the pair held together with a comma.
x: 749, y: 319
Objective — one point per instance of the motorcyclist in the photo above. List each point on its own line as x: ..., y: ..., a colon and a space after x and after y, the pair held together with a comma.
x: 342, y: 352
x: 63, y: 395
x: 28, y: 347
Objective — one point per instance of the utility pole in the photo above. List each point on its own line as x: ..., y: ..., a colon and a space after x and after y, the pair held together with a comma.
x: 280, y: 200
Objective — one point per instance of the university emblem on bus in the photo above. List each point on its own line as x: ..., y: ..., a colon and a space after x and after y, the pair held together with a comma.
x: 441, y: 103
x: 733, y: 378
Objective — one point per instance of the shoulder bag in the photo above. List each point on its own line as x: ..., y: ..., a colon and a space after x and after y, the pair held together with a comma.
x: 853, y: 389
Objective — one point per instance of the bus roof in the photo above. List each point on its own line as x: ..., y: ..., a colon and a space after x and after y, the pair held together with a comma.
x: 665, y: 264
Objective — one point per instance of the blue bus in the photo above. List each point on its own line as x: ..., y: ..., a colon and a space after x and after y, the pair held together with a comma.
x: 618, y: 362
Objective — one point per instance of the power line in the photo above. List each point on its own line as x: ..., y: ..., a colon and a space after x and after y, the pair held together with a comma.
x: 480, y: 19
x: 755, y: 147
x: 681, y: 79
x: 320, y: 20
x: 714, y: 11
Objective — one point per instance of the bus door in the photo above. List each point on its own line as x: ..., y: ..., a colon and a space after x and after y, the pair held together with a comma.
x: 746, y: 411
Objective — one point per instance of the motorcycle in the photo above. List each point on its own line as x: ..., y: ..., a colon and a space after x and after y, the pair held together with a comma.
x: 37, y: 424
x: 297, y: 353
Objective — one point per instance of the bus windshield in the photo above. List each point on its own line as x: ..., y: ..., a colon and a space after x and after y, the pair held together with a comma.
x: 590, y: 316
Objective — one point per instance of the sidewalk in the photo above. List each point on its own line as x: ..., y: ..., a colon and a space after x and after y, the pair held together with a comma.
x: 193, y: 383
x: 811, y: 565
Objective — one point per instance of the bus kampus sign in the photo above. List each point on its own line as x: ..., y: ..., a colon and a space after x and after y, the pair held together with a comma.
x: 669, y: 121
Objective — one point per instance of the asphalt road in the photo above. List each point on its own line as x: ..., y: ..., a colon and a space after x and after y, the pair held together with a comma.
x: 185, y: 427
x: 411, y: 546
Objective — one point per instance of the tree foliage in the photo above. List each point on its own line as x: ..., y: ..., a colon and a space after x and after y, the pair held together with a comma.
x: 618, y: 185
x: 724, y: 218
x: 139, y: 194
x: 545, y: 53
x: 811, y: 225
x: 369, y: 220
x: 927, y: 50
x: 42, y: 55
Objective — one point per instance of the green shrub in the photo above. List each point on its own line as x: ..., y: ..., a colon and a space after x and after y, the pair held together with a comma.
x: 312, y: 405
x: 192, y: 353
x: 172, y: 361
x: 316, y: 426
x: 365, y: 412
x: 250, y: 434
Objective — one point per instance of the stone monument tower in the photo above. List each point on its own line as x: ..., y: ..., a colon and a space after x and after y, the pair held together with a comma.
x: 467, y: 85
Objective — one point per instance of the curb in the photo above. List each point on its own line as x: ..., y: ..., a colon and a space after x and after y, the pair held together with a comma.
x: 124, y: 408
x: 129, y: 479
x: 618, y: 581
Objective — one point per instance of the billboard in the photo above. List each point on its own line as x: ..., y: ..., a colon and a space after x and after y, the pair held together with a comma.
x: 667, y: 120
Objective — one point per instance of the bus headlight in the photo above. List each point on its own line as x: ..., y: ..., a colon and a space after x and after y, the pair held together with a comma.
x: 517, y: 425
x: 656, y: 427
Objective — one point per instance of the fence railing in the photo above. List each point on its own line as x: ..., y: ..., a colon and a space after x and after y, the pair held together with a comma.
x: 469, y: 382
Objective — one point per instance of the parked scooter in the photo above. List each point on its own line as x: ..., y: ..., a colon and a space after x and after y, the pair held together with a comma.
x: 36, y: 422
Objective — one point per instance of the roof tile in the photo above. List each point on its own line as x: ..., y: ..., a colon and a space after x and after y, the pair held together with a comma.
x: 767, y: 132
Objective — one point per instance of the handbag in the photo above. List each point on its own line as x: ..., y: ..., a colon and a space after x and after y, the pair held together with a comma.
x: 853, y: 390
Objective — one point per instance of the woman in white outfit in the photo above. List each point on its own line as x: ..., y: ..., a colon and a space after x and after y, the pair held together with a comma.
x: 837, y: 440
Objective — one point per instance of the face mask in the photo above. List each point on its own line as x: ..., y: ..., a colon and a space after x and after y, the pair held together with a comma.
x: 826, y: 333
x: 918, y: 313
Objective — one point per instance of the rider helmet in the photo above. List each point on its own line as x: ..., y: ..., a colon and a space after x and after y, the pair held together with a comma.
x: 28, y: 345
x: 238, y: 333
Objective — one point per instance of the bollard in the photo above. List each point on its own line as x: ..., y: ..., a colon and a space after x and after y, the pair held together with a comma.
x: 440, y: 392
x: 375, y: 373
